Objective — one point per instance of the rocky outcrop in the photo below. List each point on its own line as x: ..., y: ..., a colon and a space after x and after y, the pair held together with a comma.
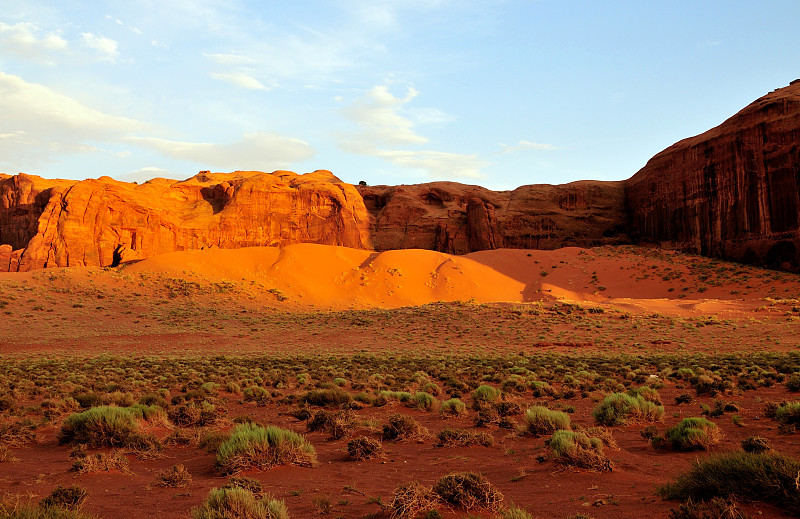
x: 459, y: 219
x: 732, y: 192
x: 101, y: 222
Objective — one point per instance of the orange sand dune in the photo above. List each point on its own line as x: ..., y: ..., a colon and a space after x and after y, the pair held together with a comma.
x: 339, y: 277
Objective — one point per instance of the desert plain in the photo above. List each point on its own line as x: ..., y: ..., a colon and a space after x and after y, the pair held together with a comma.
x: 335, y: 343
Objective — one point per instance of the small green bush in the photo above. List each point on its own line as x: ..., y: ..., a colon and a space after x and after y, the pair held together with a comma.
x: 239, y: 503
x: 108, y: 426
x: 540, y: 420
x: 254, y: 447
x: 424, y: 401
x: 579, y: 450
x: 453, y: 407
x: 621, y: 408
x: 788, y: 413
x: 693, y: 434
x: 485, y: 394
x: 16, y: 510
x: 403, y: 427
x: 327, y: 397
x: 771, y: 478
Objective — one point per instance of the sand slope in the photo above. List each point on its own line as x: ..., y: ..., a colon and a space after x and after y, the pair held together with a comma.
x: 340, y: 277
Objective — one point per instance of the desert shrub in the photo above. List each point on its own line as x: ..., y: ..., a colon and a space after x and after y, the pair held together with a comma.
x: 577, y: 449
x: 339, y: 381
x: 107, y: 425
x: 194, y: 414
x: 256, y: 394
x: 716, y: 508
x: 71, y: 497
x: 210, y: 440
x: 100, y: 462
x: 182, y: 437
x: 453, y: 407
x: 541, y: 420
x: 411, y: 499
x: 17, y: 510
x: 364, y: 448
x: 251, y: 484
x: 788, y: 413
x: 514, y: 384
x: 487, y: 415
x: 327, y: 397
x: 771, y: 478
x: 469, y: 491
x: 684, y: 398
x: 239, y: 503
x: 514, y: 512
x: 507, y: 408
x: 646, y: 392
x: 462, y: 438
x: 337, y: 424
x: 484, y: 394
x: 16, y: 433
x: 5, y: 454
x: 403, y: 427
x: 620, y: 408
x: 756, y: 445
x: 177, y: 476
x: 792, y: 382
x: 692, y: 434
x: 254, y: 447
x: 541, y: 389
x: 424, y: 401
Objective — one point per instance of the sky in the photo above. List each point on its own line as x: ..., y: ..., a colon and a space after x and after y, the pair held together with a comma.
x: 499, y: 93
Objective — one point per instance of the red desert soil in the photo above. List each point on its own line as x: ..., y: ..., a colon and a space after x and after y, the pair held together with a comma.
x: 323, y: 302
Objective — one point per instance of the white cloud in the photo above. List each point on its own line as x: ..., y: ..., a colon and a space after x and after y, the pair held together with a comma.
x: 378, y: 112
x: 230, y: 58
x: 38, y: 123
x: 106, y: 48
x: 28, y: 41
x: 240, y: 79
x: 524, y: 145
x: 384, y: 129
x: 145, y: 174
x: 260, y: 151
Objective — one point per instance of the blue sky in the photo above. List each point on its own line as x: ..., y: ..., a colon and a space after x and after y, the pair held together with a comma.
x: 490, y: 92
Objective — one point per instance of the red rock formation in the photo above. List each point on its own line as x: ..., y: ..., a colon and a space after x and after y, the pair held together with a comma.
x: 459, y: 219
x: 99, y: 222
x: 732, y: 192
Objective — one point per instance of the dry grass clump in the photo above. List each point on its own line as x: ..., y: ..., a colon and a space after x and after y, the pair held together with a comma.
x: 109, y: 426
x: 411, y: 499
x: 176, y: 477
x: 337, y: 424
x: 716, y: 508
x: 14, y: 509
x: 540, y: 420
x: 404, y: 427
x: 17, y: 433
x: 70, y: 498
x: 463, y: 438
x: 756, y: 445
x: 101, y: 462
x: 577, y: 449
x: 365, y: 448
x: 469, y: 491
x: 772, y: 478
x: 195, y: 414
x: 693, y: 434
x: 623, y: 408
x: 452, y: 407
x: 239, y: 503
x: 254, y: 447
x: 251, y: 484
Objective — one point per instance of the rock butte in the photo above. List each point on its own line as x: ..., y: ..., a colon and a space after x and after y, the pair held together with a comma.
x: 732, y: 192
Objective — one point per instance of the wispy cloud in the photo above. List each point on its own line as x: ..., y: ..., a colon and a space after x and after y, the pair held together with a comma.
x: 524, y: 145
x: 105, y: 48
x: 253, y: 151
x: 29, y: 41
x: 38, y: 121
x: 240, y: 79
x: 384, y: 129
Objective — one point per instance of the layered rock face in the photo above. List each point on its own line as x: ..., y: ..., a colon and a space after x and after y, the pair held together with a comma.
x: 458, y: 219
x: 101, y: 222
x: 732, y: 192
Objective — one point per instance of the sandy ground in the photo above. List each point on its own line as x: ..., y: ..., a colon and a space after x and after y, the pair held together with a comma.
x: 318, y: 300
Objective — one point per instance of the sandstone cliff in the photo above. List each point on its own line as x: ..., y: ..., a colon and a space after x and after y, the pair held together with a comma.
x: 46, y: 223
x: 459, y: 219
x: 732, y: 192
